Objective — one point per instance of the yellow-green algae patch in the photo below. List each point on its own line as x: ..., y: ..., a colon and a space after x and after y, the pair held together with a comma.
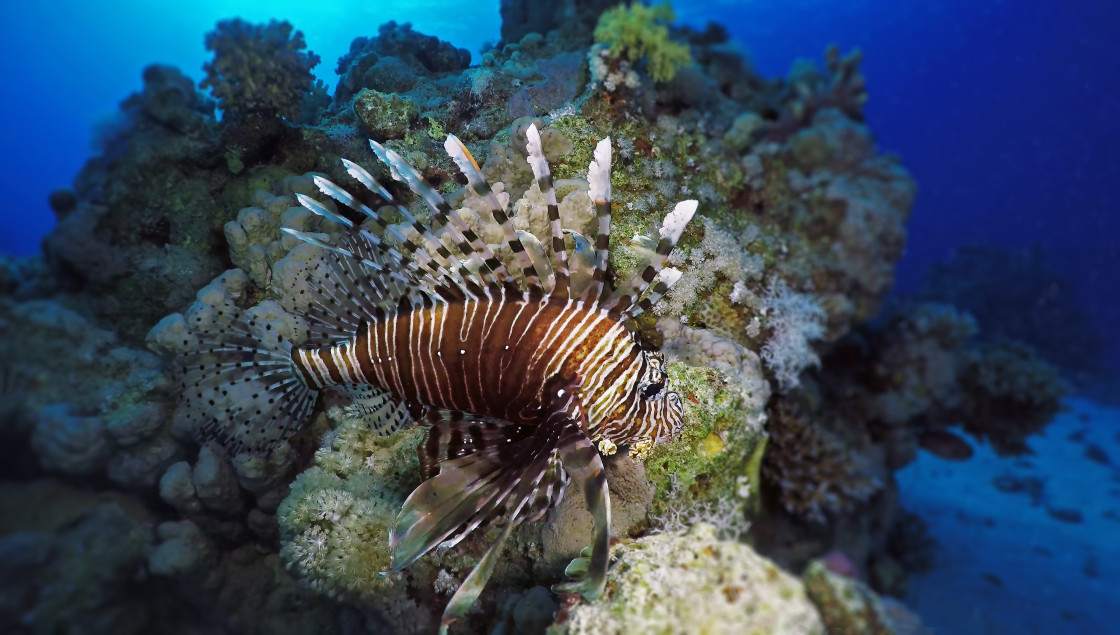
x: 715, y: 446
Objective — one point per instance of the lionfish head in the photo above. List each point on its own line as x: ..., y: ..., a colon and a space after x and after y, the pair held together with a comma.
x: 660, y: 410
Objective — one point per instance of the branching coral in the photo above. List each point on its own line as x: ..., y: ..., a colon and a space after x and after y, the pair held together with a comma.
x: 638, y: 32
x: 1010, y: 393
x: 814, y: 474
x: 258, y: 69
x: 794, y: 319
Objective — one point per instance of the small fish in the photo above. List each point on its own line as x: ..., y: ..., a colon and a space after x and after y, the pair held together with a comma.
x: 1096, y: 454
x: 945, y: 445
x: 521, y: 381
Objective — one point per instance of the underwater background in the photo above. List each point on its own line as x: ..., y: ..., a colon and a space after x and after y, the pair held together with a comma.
x: 943, y: 377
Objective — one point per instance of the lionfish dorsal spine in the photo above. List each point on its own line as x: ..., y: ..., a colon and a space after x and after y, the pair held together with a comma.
x: 671, y: 229
x: 599, y: 182
x: 477, y: 182
x: 543, y: 176
x: 319, y: 209
x: 437, y: 260
x: 492, y: 270
x: 365, y: 178
x: 666, y: 278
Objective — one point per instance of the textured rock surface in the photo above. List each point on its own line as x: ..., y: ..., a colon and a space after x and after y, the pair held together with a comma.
x: 696, y: 583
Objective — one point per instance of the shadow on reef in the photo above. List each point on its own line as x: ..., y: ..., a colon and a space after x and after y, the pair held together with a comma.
x: 178, y: 218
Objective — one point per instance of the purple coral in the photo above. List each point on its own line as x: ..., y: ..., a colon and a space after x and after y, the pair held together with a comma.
x: 258, y: 69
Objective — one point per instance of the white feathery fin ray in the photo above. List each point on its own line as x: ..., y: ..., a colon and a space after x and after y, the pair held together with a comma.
x: 538, y: 256
x: 666, y: 278
x: 365, y: 178
x: 469, y: 167
x: 671, y: 229
x: 342, y: 196
x: 599, y: 179
x: 492, y: 269
x: 319, y: 209
x: 416, y: 261
x: 539, y: 164
x: 449, y: 267
x: 675, y: 222
x: 311, y: 239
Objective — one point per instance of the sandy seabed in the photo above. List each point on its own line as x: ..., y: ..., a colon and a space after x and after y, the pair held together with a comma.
x: 1028, y: 544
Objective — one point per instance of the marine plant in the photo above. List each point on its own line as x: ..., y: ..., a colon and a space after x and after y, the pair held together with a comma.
x: 638, y: 32
x: 258, y: 69
x: 523, y: 371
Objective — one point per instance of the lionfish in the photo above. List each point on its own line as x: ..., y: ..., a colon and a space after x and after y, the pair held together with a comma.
x: 522, y: 382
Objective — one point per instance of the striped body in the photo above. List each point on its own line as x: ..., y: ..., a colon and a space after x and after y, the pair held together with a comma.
x: 494, y: 358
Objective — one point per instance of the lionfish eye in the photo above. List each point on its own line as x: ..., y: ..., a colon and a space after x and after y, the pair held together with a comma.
x: 651, y: 391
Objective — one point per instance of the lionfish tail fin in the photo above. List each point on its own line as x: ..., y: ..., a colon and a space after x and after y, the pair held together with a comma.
x: 241, y: 387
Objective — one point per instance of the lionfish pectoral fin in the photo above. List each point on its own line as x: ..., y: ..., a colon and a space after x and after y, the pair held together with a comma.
x: 589, y: 571
x: 467, y: 593
x: 457, y: 499
x: 473, y: 466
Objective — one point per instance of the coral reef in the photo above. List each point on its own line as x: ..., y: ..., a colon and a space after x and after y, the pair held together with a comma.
x: 848, y: 606
x: 695, y: 582
x: 797, y: 410
x: 883, y: 392
x: 392, y: 61
x: 638, y: 33
x: 334, y: 526
x: 815, y: 474
x: 575, y: 17
x: 1010, y: 394
x: 258, y: 69
x: 384, y: 116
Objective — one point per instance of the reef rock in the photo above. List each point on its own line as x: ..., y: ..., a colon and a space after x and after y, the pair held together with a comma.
x: 696, y: 583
